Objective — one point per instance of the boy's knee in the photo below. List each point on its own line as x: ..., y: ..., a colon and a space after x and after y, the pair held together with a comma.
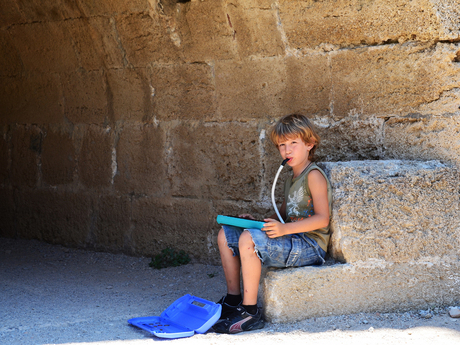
x: 245, y: 241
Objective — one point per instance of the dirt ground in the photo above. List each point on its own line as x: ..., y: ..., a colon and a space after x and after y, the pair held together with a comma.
x: 50, y: 294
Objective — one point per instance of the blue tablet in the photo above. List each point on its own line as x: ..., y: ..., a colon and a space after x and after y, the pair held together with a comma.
x: 240, y: 222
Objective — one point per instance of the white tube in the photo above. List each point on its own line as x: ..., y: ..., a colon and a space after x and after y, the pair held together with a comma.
x: 273, y: 190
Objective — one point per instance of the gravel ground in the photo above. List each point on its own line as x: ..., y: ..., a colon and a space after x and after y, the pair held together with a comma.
x: 55, y: 295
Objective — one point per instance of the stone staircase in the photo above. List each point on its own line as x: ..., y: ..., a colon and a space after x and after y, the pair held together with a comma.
x: 395, y: 244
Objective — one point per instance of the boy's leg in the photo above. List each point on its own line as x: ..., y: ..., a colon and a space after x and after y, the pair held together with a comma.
x: 247, y: 316
x: 251, y: 267
x: 230, y: 264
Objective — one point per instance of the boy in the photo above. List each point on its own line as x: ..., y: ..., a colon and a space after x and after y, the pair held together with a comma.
x: 301, y: 241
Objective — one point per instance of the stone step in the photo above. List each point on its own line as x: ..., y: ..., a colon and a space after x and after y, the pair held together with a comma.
x: 295, y: 294
x: 396, y: 226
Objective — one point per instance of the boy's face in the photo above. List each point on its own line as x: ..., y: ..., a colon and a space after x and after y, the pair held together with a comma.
x: 296, y: 150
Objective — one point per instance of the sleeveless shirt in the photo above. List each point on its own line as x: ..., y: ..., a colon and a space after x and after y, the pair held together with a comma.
x: 299, y: 204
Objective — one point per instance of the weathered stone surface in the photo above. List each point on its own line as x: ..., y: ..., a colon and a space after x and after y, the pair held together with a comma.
x: 183, y: 91
x: 204, y: 31
x: 35, y: 98
x: 348, y: 23
x: 392, y: 79
x: 353, y: 137
x: 8, y: 224
x: 140, y: 162
x: 163, y: 222
x: 54, y: 217
x: 86, y: 99
x: 26, y: 145
x: 274, y: 87
x: 399, y: 211
x: 375, y: 286
x: 44, y: 47
x: 255, y: 28
x: 96, y: 42
x: 9, y: 13
x: 215, y: 161
x: 448, y: 13
x: 144, y: 39
x: 454, y: 312
x: 11, y: 61
x: 95, y: 157
x: 113, y: 7
x: 131, y: 94
x: 58, y: 159
x: 42, y: 10
x: 308, y: 85
x: 252, y: 89
x: 416, y: 136
x: 113, y: 222
x: 4, y: 156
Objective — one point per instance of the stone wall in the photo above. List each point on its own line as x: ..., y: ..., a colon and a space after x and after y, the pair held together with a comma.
x: 128, y: 125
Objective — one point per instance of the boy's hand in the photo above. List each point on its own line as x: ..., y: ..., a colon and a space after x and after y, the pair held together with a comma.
x: 273, y: 228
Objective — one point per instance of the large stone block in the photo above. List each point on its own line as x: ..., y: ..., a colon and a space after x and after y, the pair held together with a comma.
x: 9, y: 13
x: 54, y: 217
x: 96, y: 156
x: 131, y: 95
x: 392, y: 79
x: 255, y: 28
x: 215, y: 161
x: 273, y: 87
x: 26, y: 146
x: 182, y: 92
x: 416, y: 136
x: 86, y: 99
x: 181, y: 224
x: 45, y: 47
x: 144, y: 39
x: 113, y: 7
x: 310, y: 23
x: 112, y: 225
x: 399, y: 211
x: 377, y: 286
x: 140, y: 160
x: 204, y: 31
x: 42, y: 10
x: 4, y: 156
x: 308, y: 86
x: 96, y: 42
x: 58, y: 159
x: 250, y: 89
x: 10, y: 60
x: 8, y: 224
x: 354, y: 137
x: 35, y: 98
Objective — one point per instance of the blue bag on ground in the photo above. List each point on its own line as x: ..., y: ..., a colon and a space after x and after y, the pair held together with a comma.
x: 185, y: 317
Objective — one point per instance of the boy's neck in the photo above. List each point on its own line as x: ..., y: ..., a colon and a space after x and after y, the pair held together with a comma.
x: 297, y: 171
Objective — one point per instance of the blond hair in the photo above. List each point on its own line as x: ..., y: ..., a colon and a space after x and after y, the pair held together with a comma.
x: 294, y: 125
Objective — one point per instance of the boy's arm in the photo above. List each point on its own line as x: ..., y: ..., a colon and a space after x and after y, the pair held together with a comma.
x: 318, y: 188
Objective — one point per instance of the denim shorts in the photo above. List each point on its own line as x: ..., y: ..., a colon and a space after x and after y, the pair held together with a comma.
x: 285, y: 251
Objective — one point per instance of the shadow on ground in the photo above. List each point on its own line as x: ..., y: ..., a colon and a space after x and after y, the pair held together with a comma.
x: 50, y: 294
